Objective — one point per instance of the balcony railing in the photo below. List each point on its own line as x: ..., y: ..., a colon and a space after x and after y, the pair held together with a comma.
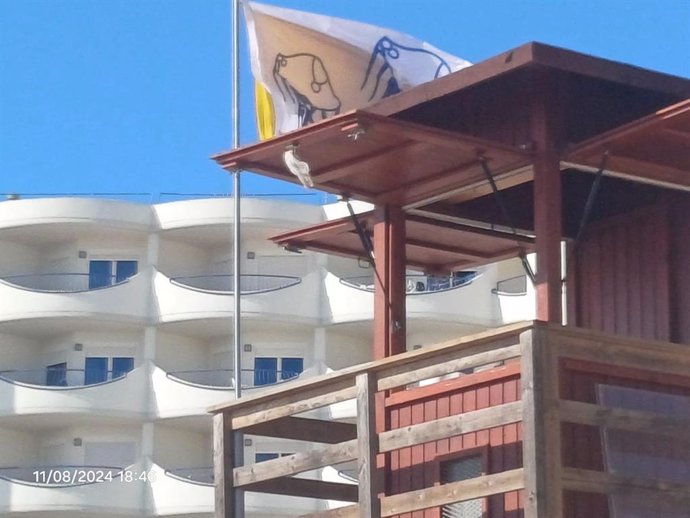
x: 417, y: 284
x: 62, y: 282
x: 223, y: 378
x: 202, y: 475
x: 61, y: 476
x: 49, y: 378
x: 224, y: 284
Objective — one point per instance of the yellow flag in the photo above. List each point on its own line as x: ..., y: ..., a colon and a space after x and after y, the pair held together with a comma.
x: 265, y: 113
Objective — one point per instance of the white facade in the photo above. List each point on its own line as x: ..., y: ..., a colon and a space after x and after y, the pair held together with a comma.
x: 115, y: 336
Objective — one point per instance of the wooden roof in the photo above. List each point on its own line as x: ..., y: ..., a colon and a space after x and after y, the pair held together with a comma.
x: 654, y: 148
x: 431, y: 245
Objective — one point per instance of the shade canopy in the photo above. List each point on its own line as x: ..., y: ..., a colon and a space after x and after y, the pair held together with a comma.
x: 431, y: 245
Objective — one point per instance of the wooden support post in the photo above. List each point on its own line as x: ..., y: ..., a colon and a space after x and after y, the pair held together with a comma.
x: 368, y: 445
x: 541, y: 443
x: 226, y: 497
x: 389, y: 295
x: 545, y: 127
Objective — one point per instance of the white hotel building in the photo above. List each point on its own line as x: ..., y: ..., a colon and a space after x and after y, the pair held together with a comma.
x: 116, y: 335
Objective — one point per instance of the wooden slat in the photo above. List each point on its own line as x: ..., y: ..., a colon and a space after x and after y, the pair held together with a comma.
x: 451, y: 426
x: 350, y: 511
x: 367, y: 445
x: 447, y: 364
x: 541, y: 428
x: 306, y: 488
x: 223, y: 453
x: 623, y: 419
x: 453, y: 492
x: 292, y: 404
x: 318, y: 457
x: 590, y: 481
x: 302, y: 429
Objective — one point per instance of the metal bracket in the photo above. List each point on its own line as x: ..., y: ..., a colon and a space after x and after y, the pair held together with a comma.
x: 361, y: 231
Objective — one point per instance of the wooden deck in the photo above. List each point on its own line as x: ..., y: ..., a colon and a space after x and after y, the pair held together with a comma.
x: 545, y: 409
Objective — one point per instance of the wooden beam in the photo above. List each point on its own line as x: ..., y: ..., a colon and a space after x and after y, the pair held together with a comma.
x: 389, y: 282
x: 367, y: 444
x: 547, y: 198
x: 318, y: 457
x: 223, y: 464
x: 462, y: 491
x: 302, y: 429
x: 475, y: 254
x: 451, y: 426
x: 623, y: 419
x: 307, y: 488
x: 350, y: 511
x: 449, y: 221
x: 541, y: 442
x: 590, y: 481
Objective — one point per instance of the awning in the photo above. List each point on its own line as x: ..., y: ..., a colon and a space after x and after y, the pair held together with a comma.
x: 431, y: 245
x: 381, y: 160
x: 654, y: 149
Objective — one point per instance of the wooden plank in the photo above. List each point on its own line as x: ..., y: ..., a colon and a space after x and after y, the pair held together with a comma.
x: 447, y: 364
x: 291, y: 404
x: 591, y: 481
x: 452, y: 426
x: 623, y: 419
x: 462, y: 491
x: 318, y: 457
x: 350, y: 511
x: 223, y: 453
x: 541, y: 427
x: 307, y: 488
x: 302, y: 429
x: 370, y: 483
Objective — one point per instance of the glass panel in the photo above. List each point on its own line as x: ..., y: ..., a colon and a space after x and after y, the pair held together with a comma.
x: 265, y: 371
x: 122, y: 366
x: 124, y: 270
x: 56, y: 375
x: 262, y: 457
x: 456, y: 470
x: 99, y: 274
x: 95, y: 370
x: 291, y: 368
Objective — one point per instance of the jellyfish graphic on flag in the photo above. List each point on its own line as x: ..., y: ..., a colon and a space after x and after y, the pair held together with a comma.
x: 309, y: 67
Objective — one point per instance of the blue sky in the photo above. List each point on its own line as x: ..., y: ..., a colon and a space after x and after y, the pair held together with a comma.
x: 134, y: 95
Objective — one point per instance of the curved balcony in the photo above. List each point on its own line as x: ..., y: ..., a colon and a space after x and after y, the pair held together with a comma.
x: 96, y: 489
x: 264, y: 296
x: 50, y: 392
x: 416, y: 284
x: 73, y: 295
x: 190, y: 491
x: 191, y: 392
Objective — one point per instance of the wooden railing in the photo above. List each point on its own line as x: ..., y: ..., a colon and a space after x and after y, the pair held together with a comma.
x: 541, y: 350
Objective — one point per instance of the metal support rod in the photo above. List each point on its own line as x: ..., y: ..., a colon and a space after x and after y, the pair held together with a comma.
x: 236, y: 272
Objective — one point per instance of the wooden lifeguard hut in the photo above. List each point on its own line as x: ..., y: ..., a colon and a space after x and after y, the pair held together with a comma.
x: 583, y: 413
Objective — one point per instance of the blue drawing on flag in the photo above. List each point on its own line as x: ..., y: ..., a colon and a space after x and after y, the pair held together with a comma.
x: 423, y: 64
x: 304, y: 79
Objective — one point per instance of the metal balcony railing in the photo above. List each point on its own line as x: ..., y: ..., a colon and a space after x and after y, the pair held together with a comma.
x: 57, y: 378
x: 60, y: 476
x: 223, y: 378
x: 63, y: 282
x: 224, y: 283
x: 417, y: 284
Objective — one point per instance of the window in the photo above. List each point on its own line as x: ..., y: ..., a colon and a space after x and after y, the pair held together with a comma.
x: 106, y: 273
x: 56, y: 375
x: 270, y: 370
x: 262, y: 457
x: 96, y: 368
x: 455, y: 470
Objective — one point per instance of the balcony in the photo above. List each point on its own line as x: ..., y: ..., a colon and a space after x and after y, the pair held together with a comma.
x: 46, y: 295
x: 191, y: 392
x: 99, y: 490
x: 264, y: 296
x: 64, y: 391
x: 574, y: 423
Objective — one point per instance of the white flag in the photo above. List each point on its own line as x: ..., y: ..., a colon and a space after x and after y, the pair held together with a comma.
x: 311, y: 66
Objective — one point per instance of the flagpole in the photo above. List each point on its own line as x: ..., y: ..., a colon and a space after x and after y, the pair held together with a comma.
x: 237, y: 341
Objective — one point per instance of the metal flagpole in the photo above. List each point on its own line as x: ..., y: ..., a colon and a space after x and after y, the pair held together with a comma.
x: 237, y: 342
